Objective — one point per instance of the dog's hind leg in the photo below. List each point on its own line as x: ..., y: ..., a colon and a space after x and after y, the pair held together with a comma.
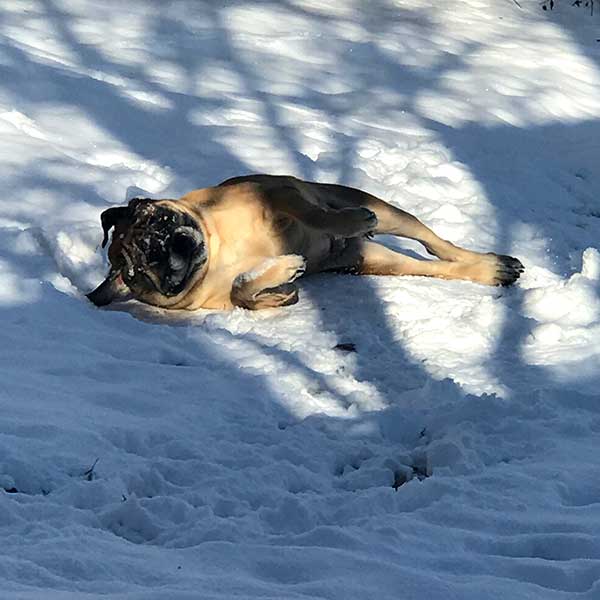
x: 298, y: 201
x: 395, y: 221
x: 376, y: 259
x: 269, y: 284
x: 490, y: 268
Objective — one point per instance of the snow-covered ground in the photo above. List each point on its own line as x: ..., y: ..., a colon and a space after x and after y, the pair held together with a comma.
x: 453, y: 455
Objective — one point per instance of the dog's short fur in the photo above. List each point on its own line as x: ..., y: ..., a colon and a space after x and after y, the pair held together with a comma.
x: 246, y: 241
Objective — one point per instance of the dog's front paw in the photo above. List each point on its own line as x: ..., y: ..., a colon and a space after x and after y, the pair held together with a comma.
x: 357, y: 221
x: 285, y: 294
x: 293, y: 266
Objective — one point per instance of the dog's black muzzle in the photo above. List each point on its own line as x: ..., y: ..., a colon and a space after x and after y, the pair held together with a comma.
x: 160, y: 250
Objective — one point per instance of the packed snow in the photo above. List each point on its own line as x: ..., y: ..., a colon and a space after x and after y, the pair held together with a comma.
x: 385, y: 437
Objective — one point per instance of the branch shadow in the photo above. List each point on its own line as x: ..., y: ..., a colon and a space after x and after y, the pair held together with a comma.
x: 159, y: 135
x: 156, y: 135
x: 569, y: 191
x: 172, y: 129
x: 495, y: 155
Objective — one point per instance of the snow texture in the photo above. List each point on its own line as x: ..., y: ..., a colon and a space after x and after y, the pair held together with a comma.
x: 385, y: 437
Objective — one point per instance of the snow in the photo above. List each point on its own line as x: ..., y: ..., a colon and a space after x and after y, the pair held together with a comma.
x: 383, y: 438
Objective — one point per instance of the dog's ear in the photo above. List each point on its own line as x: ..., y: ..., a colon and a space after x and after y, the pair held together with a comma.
x: 111, y: 216
x: 135, y: 202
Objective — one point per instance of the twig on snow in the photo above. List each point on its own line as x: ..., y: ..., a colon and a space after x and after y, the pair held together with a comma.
x: 89, y: 474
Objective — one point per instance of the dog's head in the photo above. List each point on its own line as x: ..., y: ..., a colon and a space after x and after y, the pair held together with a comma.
x: 155, y: 253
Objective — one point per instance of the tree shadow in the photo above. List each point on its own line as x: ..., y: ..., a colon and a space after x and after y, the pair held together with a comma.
x: 192, y: 149
x: 243, y: 408
x: 166, y: 137
x: 156, y: 135
x: 555, y: 161
x: 161, y: 135
x: 564, y: 185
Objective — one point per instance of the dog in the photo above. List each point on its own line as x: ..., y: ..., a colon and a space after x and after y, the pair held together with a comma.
x: 245, y: 242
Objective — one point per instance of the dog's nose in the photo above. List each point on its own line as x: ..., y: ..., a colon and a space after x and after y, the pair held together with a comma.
x: 111, y: 289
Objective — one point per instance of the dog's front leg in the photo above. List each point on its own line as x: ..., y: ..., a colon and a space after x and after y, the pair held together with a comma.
x: 269, y: 284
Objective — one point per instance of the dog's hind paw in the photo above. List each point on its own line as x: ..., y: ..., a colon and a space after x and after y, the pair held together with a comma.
x: 509, y: 269
x: 489, y: 269
x: 504, y: 270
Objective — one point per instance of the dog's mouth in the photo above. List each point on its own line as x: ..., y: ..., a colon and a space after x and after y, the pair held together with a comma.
x: 157, y: 250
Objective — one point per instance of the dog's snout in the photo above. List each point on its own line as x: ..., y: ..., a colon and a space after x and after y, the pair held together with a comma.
x: 113, y: 288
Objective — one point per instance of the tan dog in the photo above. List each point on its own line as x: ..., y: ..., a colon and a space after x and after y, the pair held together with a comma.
x: 245, y: 242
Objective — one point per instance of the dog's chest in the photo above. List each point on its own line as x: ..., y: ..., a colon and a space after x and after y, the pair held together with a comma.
x: 248, y: 230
